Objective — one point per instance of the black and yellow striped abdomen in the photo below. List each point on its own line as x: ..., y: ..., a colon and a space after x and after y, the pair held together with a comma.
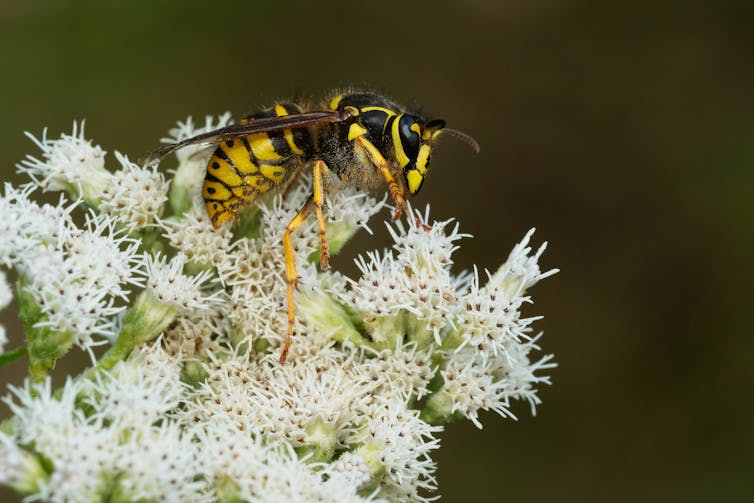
x: 244, y: 167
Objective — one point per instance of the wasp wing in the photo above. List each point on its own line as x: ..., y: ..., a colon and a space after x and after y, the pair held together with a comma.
x: 261, y: 125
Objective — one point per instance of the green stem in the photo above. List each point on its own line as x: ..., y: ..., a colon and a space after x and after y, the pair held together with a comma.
x: 118, y: 352
x: 12, y: 355
x: 438, y: 408
x: 144, y: 321
x: 43, y: 344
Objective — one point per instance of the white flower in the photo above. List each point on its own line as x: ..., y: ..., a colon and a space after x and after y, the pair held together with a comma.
x: 415, y: 282
x: 168, y: 284
x: 353, y: 467
x: 425, y: 248
x: 521, y: 375
x: 300, y: 403
x: 471, y: 384
x: 396, y: 443
x: 82, y: 452
x: 6, y: 296
x: 401, y: 369
x: 69, y: 163
x: 521, y: 270
x: 190, y: 403
x: 76, y: 281
x: 19, y: 468
x: 11, y: 460
x: 195, y: 237
x: 139, y: 391
x: 324, y: 397
x: 159, y: 464
x: 102, y: 256
x: 135, y: 194
x: 230, y: 459
x: 26, y: 225
x: 282, y: 477
x: 198, y: 332
x: 490, y: 319
x: 35, y: 402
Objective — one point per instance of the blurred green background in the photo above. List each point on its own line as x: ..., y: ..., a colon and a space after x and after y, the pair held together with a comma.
x: 624, y: 131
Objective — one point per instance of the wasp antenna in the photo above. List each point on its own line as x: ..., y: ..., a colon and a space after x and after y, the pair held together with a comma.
x: 468, y: 140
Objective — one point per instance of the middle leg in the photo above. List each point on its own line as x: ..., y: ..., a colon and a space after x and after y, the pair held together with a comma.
x: 318, y: 196
x: 316, y: 201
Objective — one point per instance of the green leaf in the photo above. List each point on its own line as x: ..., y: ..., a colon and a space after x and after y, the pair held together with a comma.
x: 12, y: 355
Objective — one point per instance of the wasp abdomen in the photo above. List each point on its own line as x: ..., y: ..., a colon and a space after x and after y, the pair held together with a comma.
x: 243, y: 167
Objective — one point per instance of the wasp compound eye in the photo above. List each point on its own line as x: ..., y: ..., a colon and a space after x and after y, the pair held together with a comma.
x: 410, y: 136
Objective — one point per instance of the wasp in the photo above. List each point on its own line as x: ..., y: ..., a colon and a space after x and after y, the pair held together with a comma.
x: 355, y: 139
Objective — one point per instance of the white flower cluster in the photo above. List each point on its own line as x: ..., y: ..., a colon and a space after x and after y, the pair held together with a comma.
x: 70, y: 163
x: 133, y: 195
x: 190, y: 402
x: 75, y: 274
x: 6, y: 296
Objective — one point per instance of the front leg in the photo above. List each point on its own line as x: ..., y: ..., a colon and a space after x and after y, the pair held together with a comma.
x: 376, y: 158
x: 399, y: 195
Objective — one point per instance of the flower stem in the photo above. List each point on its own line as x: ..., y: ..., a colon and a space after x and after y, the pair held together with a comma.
x: 147, y: 319
x: 44, y: 345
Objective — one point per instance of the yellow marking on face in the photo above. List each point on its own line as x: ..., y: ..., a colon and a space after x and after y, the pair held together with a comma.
x: 427, y: 134
x: 354, y: 111
x: 274, y: 173
x: 335, y: 102
x: 400, y: 155
x: 415, y: 128
x: 422, y: 158
x: 414, y: 179
x: 262, y: 147
x: 389, y: 112
x: 355, y: 131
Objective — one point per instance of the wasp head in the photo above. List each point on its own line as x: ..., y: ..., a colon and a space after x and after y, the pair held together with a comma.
x: 411, y: 140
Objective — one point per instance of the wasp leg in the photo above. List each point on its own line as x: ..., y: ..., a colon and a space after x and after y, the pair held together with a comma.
x: 398, y: 195
x: 321, y: 168
x: 376, y: 158
x: 291, y: 279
